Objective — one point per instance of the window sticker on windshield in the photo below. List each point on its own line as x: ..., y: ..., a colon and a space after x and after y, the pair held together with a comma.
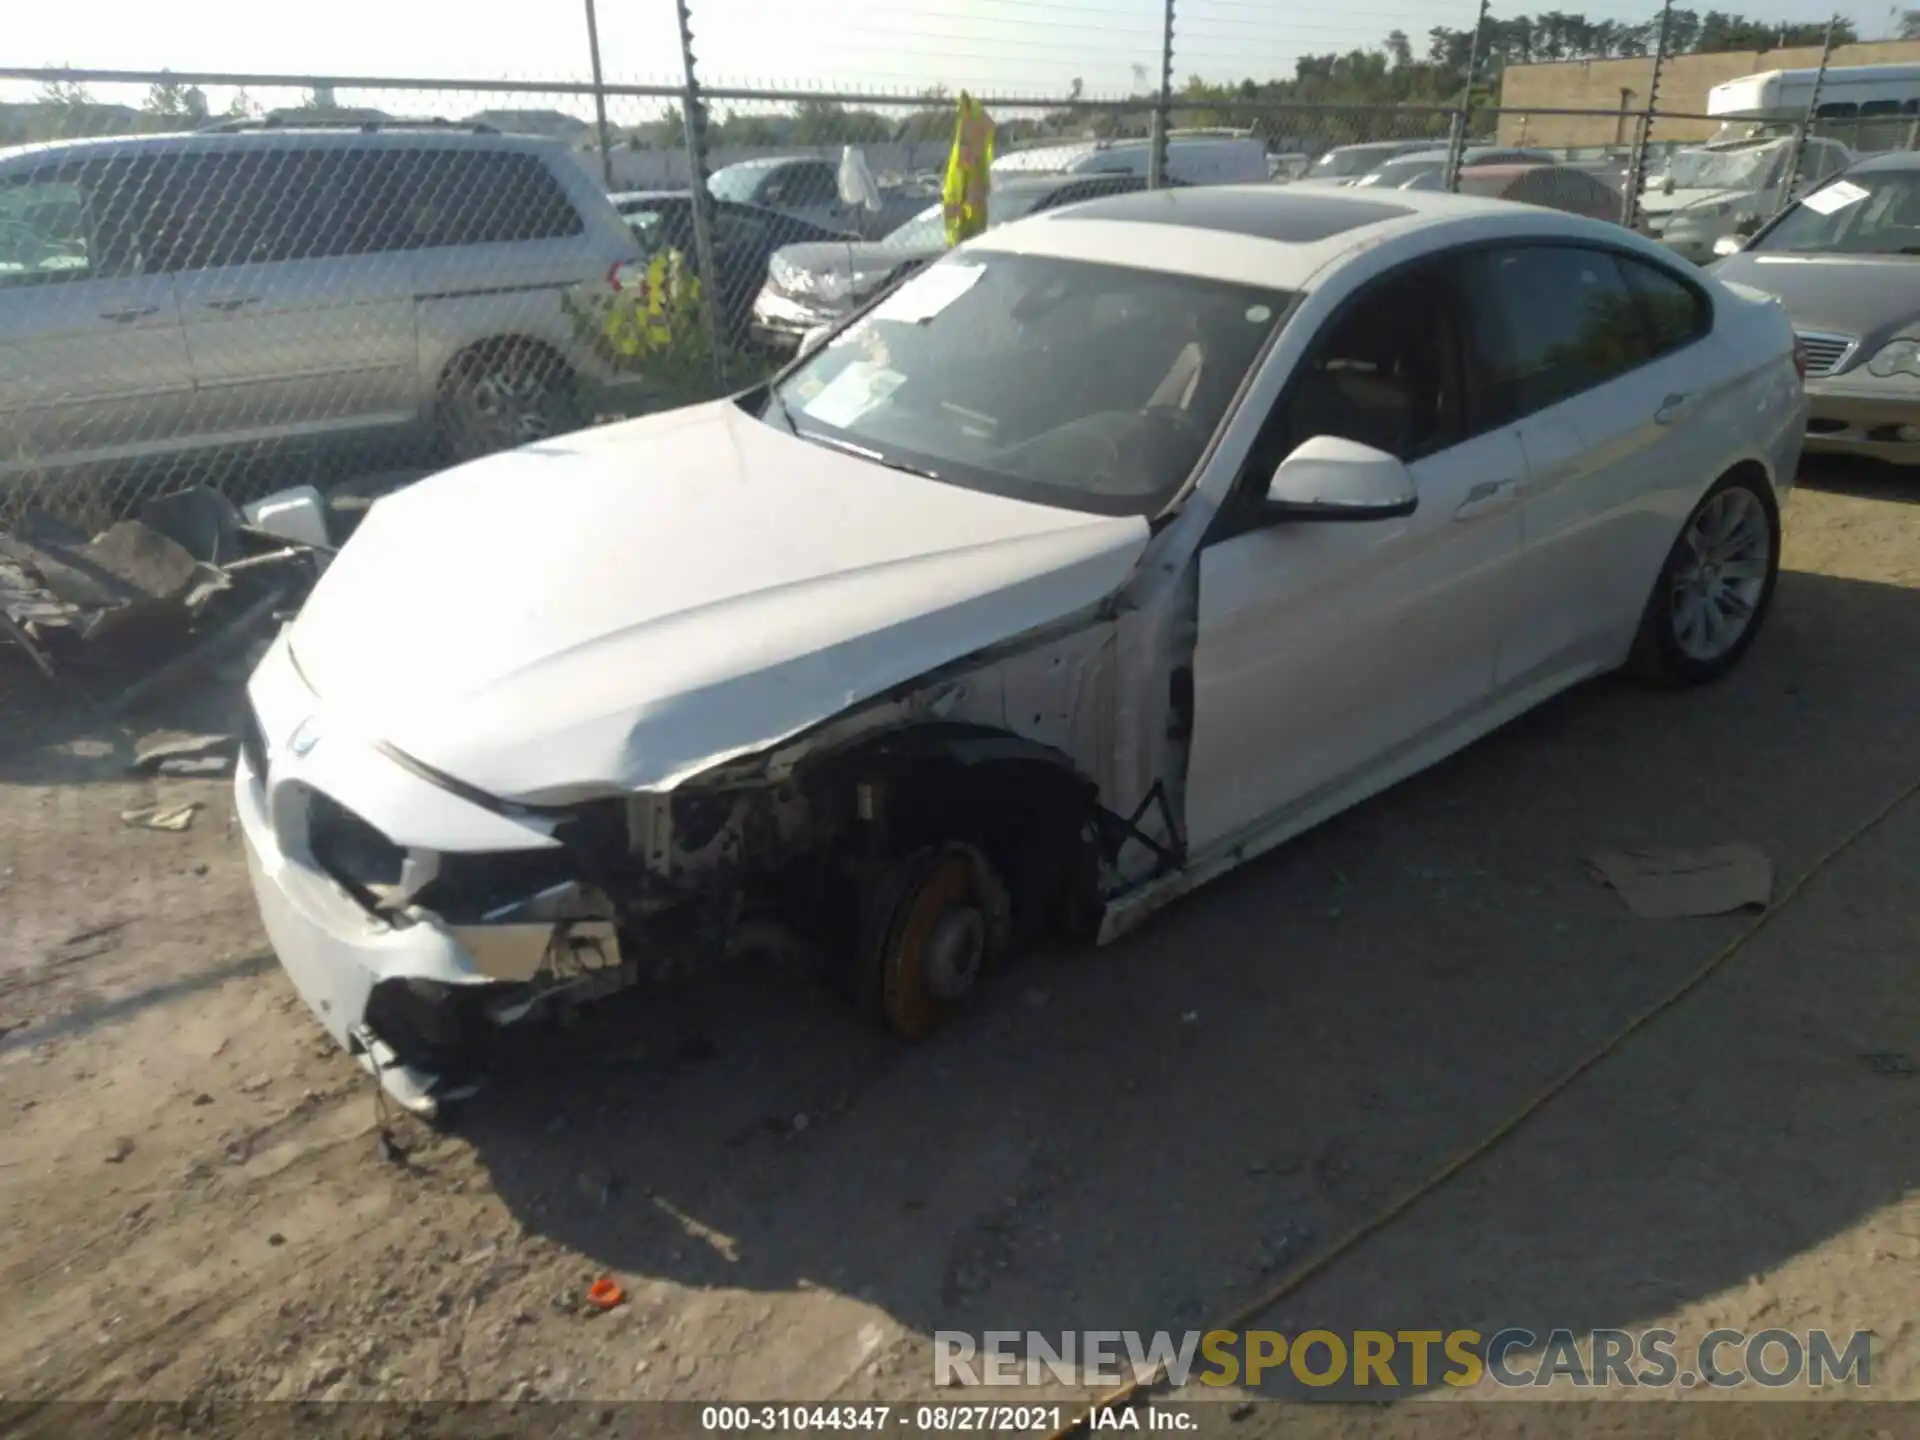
x: 1836, y: 196
x: 928, y: 293
x: 852, y: 393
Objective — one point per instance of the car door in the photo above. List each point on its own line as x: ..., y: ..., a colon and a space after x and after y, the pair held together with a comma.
x: 1598, y: 361
x: 297, y: 318
x: 93, y: 365
x: 1331, y: 658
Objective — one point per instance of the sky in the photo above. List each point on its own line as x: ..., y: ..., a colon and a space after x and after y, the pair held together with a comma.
x: 896, y: 47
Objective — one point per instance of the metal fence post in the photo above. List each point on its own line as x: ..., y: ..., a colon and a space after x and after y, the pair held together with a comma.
x: 1637, y: 166
x: 1806, y: 124
x: 1157, y: 152
x: 1457, y: 131
x: 599, y: 97
x: 693, y: 116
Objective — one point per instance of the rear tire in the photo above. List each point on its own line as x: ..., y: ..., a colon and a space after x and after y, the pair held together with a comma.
x: 1715, y: 588
x: 503, y: 396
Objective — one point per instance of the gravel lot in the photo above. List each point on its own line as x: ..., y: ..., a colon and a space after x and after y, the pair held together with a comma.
x: 193, y: 1202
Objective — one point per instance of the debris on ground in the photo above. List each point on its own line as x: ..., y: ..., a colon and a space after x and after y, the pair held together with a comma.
x: 606, y: 1293
x: 158, y: 817
x: 172, y: 752
x: 161, y: 575
x: 1671, y: 884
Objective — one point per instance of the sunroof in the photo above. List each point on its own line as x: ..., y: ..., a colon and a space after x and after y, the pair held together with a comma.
x: 1300, y: 217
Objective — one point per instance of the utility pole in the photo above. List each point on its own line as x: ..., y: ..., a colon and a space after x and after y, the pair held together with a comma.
x: 1813, y: 112
x: 1457, y: 134
x: 599, y: 96
x: 1157, y: 152
x: 1637, y: 166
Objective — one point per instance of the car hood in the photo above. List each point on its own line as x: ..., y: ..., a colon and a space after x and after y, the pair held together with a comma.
x: 630, y: 605
x: 1873, y: 296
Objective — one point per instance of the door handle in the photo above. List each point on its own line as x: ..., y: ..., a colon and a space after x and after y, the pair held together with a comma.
x: 1670, y: 409
x: 1487, y: 496
x: 229, y: 306
x: 128, y: 316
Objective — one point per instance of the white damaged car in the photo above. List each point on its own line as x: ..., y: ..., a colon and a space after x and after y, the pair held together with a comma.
x: 1113, y: 549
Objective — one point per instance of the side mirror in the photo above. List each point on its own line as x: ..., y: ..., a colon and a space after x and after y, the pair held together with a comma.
x: 1328, y: 478
x: 814, y: 338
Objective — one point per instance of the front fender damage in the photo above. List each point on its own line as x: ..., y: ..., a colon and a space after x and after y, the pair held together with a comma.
x: 774, y: 850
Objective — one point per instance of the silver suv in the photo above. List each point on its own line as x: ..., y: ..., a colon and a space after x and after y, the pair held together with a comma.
x: 170, y: 295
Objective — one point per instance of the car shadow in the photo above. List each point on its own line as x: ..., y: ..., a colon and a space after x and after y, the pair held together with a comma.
x: 1861, y: 478
x: 1147, y: 1135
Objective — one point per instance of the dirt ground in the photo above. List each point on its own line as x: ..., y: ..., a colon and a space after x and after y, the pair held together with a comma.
x: 193, y: 1202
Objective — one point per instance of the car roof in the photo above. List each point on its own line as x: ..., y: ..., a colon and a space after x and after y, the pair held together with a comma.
x: 1891, y: 160
x: 1274, y: 236
x: 397, y: 135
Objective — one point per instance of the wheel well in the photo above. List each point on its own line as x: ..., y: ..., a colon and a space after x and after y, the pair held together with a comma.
x: 1755, y: 471
x: 501, y: 347
x: 1020, y: 802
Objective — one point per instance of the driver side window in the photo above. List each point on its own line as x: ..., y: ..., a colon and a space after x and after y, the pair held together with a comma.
x: 1386, y: 372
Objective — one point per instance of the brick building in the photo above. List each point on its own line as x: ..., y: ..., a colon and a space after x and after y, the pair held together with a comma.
x: 1619, y: 88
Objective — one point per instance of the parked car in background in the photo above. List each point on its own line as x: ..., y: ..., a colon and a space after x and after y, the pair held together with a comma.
x: 744, y: 240
x: 171, y: 295
x: 1729, y: 188
x: 1204, y: 157
x: 1845, y: 262
x: 1344, y: 164
x: 1427, y: 169
x: 1288, y: 164
x: 1558, y: 187
x: 1113, y: 549
x: 807, y: 187
x: 808, y: 286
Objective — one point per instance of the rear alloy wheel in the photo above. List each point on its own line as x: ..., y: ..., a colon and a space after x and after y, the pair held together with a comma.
x: 936, y: 922
x: 1715, y: 588
x: 505, y: 398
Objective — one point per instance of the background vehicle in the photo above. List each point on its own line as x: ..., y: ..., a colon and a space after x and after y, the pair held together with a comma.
x: 744, y: 240
x: 175, y: 295
x: 1029, y: 602
x: 1427, y: 169
x: 1779, y: 98
x: 817, y: 284
x: 1727, y: 187
x: 1193, y: 158
x: 1855, y: 307
x: 1288, y: 165
x: 1558, y: 187
x: 1345, y: 164
x: 807, y: 187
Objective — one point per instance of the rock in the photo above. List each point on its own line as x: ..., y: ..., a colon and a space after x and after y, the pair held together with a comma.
x: 276, y: 1239
x: 203, y: 1099
x: 800, y: 1122
x: 256, y: 1084
x: 121, y: 1148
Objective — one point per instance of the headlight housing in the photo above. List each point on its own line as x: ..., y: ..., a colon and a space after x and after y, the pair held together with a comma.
x: 1897, y: 357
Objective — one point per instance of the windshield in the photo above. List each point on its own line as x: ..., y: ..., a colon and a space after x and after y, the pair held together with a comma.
x: 1863, y: 214
x: 1093, y: 387
x: 736, y: 182
x: 1748, y: 169
x: 1338, y: 164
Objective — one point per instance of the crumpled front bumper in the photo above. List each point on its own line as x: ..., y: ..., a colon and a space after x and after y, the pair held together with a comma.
x: 334, y: 949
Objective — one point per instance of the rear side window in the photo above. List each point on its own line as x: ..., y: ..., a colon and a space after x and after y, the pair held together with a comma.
x: 1556, y: 320
x: 1673, y: 312
x: 484, y: 197
x: 50, y: 227
x: 806, y: 183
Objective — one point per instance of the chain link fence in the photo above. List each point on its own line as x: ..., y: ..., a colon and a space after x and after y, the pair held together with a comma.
x: 259, y: 280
